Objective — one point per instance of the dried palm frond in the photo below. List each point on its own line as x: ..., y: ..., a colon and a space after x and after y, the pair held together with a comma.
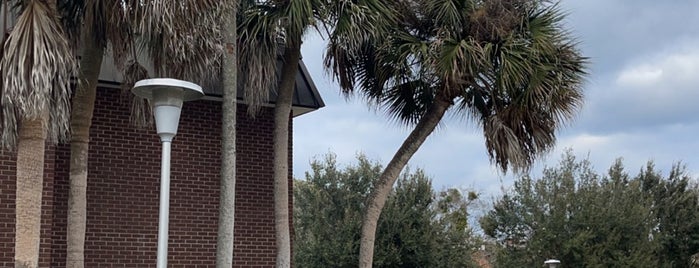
x: 182, y: 38
x: 36, y: 67
x: 141, y: 111
x: 259, y: 37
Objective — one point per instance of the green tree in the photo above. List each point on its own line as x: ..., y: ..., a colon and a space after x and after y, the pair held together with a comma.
x: 452, y: 208
x: 327, y: 212
x: 421, y: 229
x: 586, y: 220
x: 507, y: 64
x: 674, y: 204
x: 407, y: 233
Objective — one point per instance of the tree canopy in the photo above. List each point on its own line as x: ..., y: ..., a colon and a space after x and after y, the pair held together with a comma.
x: 421, y: 227
x: 586, y: 219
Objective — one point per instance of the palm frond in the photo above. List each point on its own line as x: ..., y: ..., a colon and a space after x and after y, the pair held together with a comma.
x: 141, y: 111
x: 264, y: 29
x: 182, y: 38
x: 186, y: 49
x: 72, y: 13
x: 359, y: 29
x: 537, y: 87
x: 259, y: 36
x: 36, y: 67
x: 451, y: 13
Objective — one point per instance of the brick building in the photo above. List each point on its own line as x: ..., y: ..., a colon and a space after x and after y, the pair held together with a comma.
x: 123, y: 186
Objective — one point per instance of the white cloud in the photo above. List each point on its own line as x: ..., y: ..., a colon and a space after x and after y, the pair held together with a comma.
x: 673, y: 69
x: 651, y: 90
x: 586, y: 141
x: 643, y: 75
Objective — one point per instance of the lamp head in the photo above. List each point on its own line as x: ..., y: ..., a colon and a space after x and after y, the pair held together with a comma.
x: 552, y: 263
x: 167, y: 95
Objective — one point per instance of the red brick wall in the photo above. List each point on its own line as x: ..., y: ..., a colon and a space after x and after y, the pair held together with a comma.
x: 123, y: 191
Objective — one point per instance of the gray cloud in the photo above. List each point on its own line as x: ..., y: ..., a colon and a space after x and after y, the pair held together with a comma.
x: 612, y: 31
x: 646, y: 92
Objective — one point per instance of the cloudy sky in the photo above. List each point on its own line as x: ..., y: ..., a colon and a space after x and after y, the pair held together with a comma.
x: 642, y: 102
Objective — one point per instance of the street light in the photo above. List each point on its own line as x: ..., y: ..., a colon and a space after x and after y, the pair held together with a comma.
x: 552, y: 263
x: 166, y: 95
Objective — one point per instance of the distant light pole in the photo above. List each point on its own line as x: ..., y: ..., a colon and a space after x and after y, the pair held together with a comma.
x: 552, y: 263
x: 166, y: 95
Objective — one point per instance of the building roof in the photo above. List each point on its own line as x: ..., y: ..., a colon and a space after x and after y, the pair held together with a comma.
x: 306, y: 95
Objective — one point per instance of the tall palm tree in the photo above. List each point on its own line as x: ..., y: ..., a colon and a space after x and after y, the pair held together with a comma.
x: 509, y: 65
x: 80, y: 122
x: 267, y: 27
x: 121, y: 24
x: 93, y: 25
x: 36, y: 66
x: 190, y: 49
x: 229, y: 71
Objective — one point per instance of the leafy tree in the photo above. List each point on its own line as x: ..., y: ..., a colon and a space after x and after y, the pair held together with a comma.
x: 421, y: 229
x: 406, y: 233
x: 586, y: 220
x: 327, y: 212
x: 674, y: 204
x: 452, y: 216
x: 507, y: 64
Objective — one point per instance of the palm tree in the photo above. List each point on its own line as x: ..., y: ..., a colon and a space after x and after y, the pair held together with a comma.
x: 506, y: 64
x: 99, y: 23
x: 116, y: 22
x: 267, y: 26
x: 36, y: 67
x: 190, y: 49
x: 226, y: 218
x: 271, y: 26
x: 80, y: 122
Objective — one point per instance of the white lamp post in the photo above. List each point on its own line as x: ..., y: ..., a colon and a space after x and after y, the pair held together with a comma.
x: 166, y: 95
x: 552, y: 263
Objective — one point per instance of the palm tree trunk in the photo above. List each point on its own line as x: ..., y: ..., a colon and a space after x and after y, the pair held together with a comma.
x: 226, y: 220
x: 377, y: 198
x: 30, y: 176
x: 282, y: 112
x: 80, y: 122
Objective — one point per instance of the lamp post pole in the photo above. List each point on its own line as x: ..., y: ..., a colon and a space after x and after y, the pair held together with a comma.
x: 164, y: 213
x: 167, y: 96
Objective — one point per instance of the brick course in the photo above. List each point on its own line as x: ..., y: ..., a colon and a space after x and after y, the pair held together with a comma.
x: 123, y: 190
